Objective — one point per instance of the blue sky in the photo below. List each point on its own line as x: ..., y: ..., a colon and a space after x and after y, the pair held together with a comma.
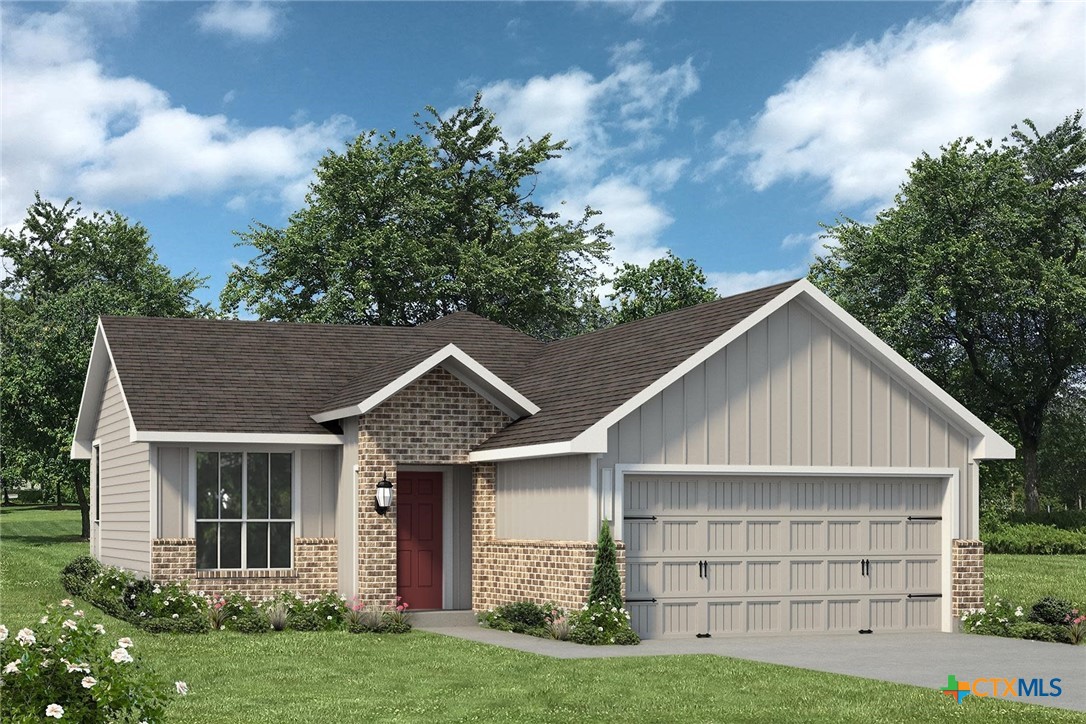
x: 724, y: 131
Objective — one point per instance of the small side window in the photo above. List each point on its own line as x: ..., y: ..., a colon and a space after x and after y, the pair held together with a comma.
x: 96, y: 481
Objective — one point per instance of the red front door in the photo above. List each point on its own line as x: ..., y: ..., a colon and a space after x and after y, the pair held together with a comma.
x: 418, y: 534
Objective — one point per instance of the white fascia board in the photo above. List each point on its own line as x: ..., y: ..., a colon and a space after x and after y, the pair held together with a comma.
x: 677, y: 373
x: 782, y: 470
x: 990, y: 446
x: 94, y: 383
x: 239, y: 438
x: 525, y: 452
x: 470, y: 372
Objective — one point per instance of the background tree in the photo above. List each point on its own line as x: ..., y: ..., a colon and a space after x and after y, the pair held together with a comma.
x: 1062, y: 457
x: 977, y: 274
x: 404, y: 230
x: 662, y: 285
x: 64, y: 269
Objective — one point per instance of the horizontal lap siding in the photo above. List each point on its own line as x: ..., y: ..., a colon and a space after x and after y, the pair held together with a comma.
x: 791, y: 391
x: 124, y: 533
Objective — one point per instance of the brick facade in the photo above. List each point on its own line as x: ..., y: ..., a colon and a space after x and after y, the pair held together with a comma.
x: 967, y: 570
x: 315, y: 572
x: 436, y: 420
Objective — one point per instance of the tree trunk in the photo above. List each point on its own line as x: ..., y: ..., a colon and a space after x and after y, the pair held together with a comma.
x: 84, y: 509
x: 1030, y: 473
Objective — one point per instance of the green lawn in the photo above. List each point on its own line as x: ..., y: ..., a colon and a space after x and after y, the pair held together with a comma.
x: 321, y: 677
x: 1024, y: 579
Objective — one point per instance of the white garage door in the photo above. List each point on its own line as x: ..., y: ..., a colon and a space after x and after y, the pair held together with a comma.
x: 725, y: 555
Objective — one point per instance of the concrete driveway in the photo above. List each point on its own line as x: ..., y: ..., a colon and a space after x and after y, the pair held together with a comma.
x: 921, y: 659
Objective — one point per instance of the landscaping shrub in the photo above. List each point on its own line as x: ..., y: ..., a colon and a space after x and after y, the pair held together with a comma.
x: 77, y: 575
x: 375, y: 618
x: 993, y: 620
x: 69, y: 668
x: 601, y: 623
x: 1033, y: 538
x: 606, y: 582
x: 1039, y: 632
x: 1051, y: 610
x: 1064, y: 519
x: 278, y: 613
x: 523, y: 617
x: 1076, y: 627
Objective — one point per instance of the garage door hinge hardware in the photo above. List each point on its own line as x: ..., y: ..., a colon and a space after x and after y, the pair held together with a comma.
x: 925, y: 595
x: 924, y: 517
x: 704, y: 636
x: 866, y: 631
x: 639, y: 517
x: 640, y: 600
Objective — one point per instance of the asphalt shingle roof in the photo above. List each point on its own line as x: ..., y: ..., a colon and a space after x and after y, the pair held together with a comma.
x: 268, y: 377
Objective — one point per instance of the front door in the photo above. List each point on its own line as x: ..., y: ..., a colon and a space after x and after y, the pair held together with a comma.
x: 418, y: 533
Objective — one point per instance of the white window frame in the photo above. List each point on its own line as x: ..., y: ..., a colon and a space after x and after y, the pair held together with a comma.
x: 245, y: 451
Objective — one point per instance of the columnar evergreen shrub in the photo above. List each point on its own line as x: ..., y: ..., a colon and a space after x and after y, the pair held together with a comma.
x: 606, y: 582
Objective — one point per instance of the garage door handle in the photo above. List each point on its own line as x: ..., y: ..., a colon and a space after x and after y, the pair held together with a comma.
x: 701, y: 569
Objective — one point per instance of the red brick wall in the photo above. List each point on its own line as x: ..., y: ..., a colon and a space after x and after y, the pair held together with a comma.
x: 436, y: 420
x: 173, y: 560
x: 967, y: 571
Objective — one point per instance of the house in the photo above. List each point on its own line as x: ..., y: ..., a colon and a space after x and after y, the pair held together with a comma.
x: 769, y: 465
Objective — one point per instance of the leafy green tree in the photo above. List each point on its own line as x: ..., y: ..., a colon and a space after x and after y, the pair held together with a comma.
x: 977, y: 274
x: 664, y: 284
x: 404, y: 230
x: 606, y: 582
x: 1063, y: 452
x: 63, y: 270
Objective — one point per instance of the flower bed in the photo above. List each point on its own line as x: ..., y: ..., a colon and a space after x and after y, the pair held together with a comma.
x: 173, y: 608
x: 1049, y: 619
x: 69, y: 668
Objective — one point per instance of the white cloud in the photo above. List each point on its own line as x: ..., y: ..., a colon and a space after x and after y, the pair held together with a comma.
x: 613, y: 125
x: 243, y: 20
x: 861, y: 113
x: 729, y: 283
x: 79, y: 131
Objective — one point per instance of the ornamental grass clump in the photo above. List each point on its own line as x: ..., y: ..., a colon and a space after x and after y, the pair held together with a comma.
x: 69, y: 668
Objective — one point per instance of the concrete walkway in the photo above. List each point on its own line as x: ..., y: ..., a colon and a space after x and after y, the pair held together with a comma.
x: 920, y: 659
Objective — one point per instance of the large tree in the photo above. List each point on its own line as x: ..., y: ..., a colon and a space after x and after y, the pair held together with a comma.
x: 64, y: 269
x: 977, y: 274
x: 402, y: 230
x: 660, y: 286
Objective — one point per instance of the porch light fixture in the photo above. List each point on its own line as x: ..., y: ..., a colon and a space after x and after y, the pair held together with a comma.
x: 383, y: 498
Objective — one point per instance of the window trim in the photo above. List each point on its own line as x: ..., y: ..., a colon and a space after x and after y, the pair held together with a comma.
x: 245, y: 451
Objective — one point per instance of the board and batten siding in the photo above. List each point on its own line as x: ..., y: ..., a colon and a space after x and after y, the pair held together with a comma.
x: 124, y: 531
x: 545, y: 499
x: 792, y: 391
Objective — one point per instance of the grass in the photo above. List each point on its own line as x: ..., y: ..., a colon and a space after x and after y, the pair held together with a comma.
x: 320, y: 677
x: 1019, y: 578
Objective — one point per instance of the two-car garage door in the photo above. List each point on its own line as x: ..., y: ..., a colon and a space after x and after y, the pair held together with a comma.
x: 728, y: 554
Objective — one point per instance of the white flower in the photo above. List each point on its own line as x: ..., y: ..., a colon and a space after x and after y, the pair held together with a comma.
x: 174, y: 616
x: 121, y: 656
x: 69, y: 623
x: 78, y: 614
x: 77, y: 667
x: 125, y: 642
x: 99, y: 628
x: 1018, y: 611
x: 157, y: 590
x: 25, y: 637
x: 67, y: 603
x: 43, y: 619
x: 182, y: 687
x: 3, y: 632
x: 54, y: 710
x: 88, y: 682
x: 12, y: 668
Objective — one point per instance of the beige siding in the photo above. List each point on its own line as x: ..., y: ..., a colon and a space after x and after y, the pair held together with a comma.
x: 124, y: 535
x: 458, y: 577
x: 545, y: 499
x: 317, y: 493
x: 173, y: 493
x: 792, y: 391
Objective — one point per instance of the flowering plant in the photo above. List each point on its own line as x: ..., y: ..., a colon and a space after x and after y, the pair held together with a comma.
x: 993, y: 620
x: 1076, y: 626
x: 374, y: 617
x: 600, y: 622
x: 68, y: 668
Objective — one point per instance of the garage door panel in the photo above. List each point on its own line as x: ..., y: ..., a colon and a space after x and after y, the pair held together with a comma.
x: 845, y: 497
x: 764, y: 496
x: 808, y: 497
x: 886, y: 575
x: 923, y: 497
x: 726, y: 577
x: 726, y: 617
x: 922, y: 575
x: 922, y: 613
x: 763, y: 616
x: 681, y: 579
x: 641, y: 579
x: 886, y: 614
x: 806, y: 577
x: 639, y: 496
x: 682, y: 495
x: 725, y: 537
x: 638, y: 536
x: 725, y: 496
x: 679, y: 536
x: 844, y: 577
x: 885, y: 496
x: 923, y: 536
x: 843, y: 615
x: 806, y: 536
x: 806, y: 616
x: 886, y: 536
x: 680, y: 618
x: 644, y: 619
x: 843, y: 536
x: 763, y: 577
x: 764, y: 536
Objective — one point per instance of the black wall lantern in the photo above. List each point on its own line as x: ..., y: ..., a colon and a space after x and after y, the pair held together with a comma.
x: 383, y: 498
